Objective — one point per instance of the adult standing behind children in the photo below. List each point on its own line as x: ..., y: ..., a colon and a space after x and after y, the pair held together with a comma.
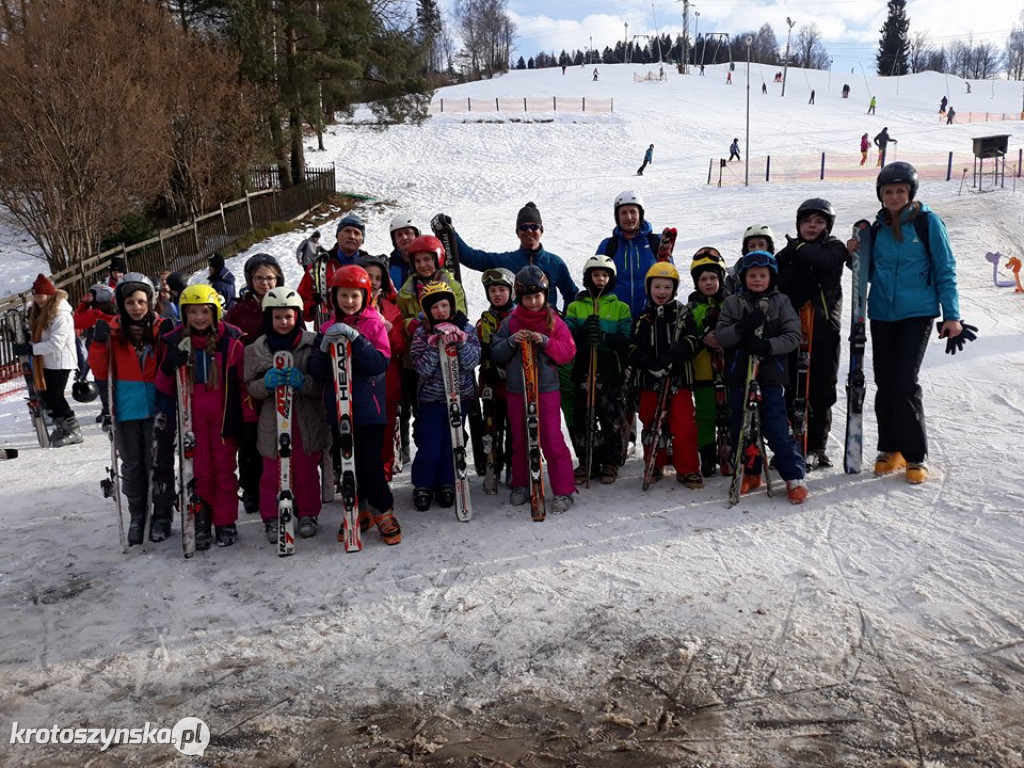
x: 912, y: 279
x: 222, y: 280
x: 810, y: 273
x: 529, y: 230
x: 633, y: 247
x: 347, y: 249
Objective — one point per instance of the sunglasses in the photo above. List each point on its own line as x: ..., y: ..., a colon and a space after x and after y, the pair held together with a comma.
x: 529, y: 228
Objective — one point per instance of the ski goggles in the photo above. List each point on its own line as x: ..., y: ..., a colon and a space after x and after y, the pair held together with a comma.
x: 497, y: 277
x: 758, y: 259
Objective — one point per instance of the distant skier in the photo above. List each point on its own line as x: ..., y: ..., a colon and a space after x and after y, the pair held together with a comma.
x: 595, y: 74
x: 942, y: 104
x: 846, y: 90
x: 648, y: 158
x: 734, y: 150
x: 764, y: 87
x: 882, y: 140
x: 950, y: 115
x: 811, y: 100
x: 871, y: 105
x: 728, y: 77
x: 865, y: 145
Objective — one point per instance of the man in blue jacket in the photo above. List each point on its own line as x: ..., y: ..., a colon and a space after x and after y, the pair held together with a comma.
x: 633, y: 247
x: 529, y: 230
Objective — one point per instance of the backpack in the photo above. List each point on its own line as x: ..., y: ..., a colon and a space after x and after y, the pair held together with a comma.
x: 920, y: 223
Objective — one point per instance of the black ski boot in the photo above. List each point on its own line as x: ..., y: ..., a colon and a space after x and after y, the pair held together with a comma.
x: 708, y: 459
x: 446, y: 496
x: 204, y: 523
x: 161, y: 526
x: 226, y: 535
x: 421, y: 498
x: 251, y: 503
x: 137, y: 524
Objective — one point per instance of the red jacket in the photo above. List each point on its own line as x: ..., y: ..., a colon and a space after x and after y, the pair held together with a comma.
x: 399, y: 341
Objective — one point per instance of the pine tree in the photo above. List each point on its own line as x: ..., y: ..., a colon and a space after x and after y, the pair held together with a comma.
x: 894, y: 45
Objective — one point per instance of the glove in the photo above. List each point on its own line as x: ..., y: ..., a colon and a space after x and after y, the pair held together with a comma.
x: 275, y: 377
x: 434, y: 339
x: 166, y: 326
x: 750, y: 322
x: 175, y: 357
x: 440, y: 221
x: 296, y: 378
x: 758, y: 346
x: 593, y: 329
x: 318, y: 298
x: 661, y: 367
x: 101, y: 332
x: 955, y: 344
x: 336, y: 334
x: 22, y: 349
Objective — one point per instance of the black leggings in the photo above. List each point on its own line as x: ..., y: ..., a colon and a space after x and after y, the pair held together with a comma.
x: 897, y: 350
x: 53, y: 396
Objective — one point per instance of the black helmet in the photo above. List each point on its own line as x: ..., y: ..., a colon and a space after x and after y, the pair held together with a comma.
x: 817, y: 205
x: 530, y: 279
x: 261, y: 260
x: 897, y: 173
x: 84, y: 391
x: 385, y: 276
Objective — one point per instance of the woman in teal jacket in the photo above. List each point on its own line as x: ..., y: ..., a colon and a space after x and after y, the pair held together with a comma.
x: 912, y: 273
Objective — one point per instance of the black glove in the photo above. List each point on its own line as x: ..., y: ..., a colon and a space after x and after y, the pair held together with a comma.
x: 175, y: 358
x: 593, y: 329
x: 955, y: 344
x: 166, y: 326
x: 440, y: 221
x: 318, y: 298
x: 101, y: 332
x: 22, y: 349
x: 758, y: 346
x: 661, y: 367
x: 750, y: 322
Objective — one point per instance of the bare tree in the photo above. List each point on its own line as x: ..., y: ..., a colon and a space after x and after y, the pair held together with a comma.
x: 487, y: 35
x: 810, y: 50
x: 1014, y: 54
x: 985, y: 60
x: 920, y: 51
x: 84, y: 134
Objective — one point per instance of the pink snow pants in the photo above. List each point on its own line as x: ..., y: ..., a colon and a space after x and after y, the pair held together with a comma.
x: 305, y: 481
x: 216, y: 457
x: 552, y: 443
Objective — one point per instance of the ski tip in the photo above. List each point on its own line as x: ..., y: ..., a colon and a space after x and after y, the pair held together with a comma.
x: 8, y: 453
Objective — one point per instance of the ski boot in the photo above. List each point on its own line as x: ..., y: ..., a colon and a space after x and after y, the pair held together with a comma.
x: 204, y: 524
x: 137, y: 522
x: 917, y: 472
x: 708, y: 459
x: 389, y: 529
x: 609, y: 474
x: 161, y: 526
x: 421, y: 498
x: 446, y: 496
x: 519, y: 496
x: 796, y: 490
x: 561, y: 504
x: 270, y: 528
x: 886, y: 463
x: 226, y: 535
x: 750, y: 483
x: 694, y: 481
x: 308, y: 526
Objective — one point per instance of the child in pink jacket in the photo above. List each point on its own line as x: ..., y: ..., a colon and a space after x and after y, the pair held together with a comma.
x: 214, y: 355
x: 533, y: 319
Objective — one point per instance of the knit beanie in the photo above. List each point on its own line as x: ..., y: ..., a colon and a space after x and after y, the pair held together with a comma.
x: 176, y: 282
x: 117, y: 264
x: 216, y: 262
x: 352, y: 220
x: 529, y: 214
x: 43, y: 286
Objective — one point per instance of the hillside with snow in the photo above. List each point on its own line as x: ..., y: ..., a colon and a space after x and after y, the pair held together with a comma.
x: 878, y: 624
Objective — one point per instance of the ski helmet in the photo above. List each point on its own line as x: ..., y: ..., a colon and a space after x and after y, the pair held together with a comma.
x: 759, y: 259
x: 381, y: 263
x: 817, y: 205
x: 707, y: 259
x: 402, y: 220
x: 530, y: 279
x: 202, y: 294
x: 499, y: 276
x: 628, y: 197
x: 665, y: 269
x: 759, y: 230
x: 599, y: 261
x: 84, y: 391
x: 897, y: 173
x: 351, y: 276
x: 432, y: 294
x: 102, y: 293
x: 129, y: 283
x: 261, y: 260
x: 428, y: 244
x: 280, y: 297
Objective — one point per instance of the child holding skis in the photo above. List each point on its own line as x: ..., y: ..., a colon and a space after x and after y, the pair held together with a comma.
x: 760, y: 321
x: 433, y: 472
x: 661, y: 353
x: 357, y: 322
x: 499, y: 284
x: 129, y: 348
x: 384, y: 299
x: 703, y: 307
x: 310, y: 436
x: 213, y: 352
x: 600, y: 324
x: 535, y: 322
x: 810, y: 274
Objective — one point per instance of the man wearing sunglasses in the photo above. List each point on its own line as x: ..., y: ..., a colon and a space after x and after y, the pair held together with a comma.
x: 529, y: 230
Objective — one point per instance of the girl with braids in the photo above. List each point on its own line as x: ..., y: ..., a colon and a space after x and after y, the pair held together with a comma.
x: 214, y: 353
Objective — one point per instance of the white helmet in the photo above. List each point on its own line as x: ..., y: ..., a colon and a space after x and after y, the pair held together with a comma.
x: 759, y: 230
x: 629, y: 197
x: 402, y: 220
x: 282, y: 296
x: 598, y: 261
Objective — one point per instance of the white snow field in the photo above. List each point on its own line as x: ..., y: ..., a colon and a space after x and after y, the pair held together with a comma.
x: 878, y: 624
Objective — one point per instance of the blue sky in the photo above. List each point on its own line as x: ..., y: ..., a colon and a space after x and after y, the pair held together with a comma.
x: 849, y: 27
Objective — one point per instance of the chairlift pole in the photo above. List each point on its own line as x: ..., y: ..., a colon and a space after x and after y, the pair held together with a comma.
x: 746, y: 150
x: 785, y: 64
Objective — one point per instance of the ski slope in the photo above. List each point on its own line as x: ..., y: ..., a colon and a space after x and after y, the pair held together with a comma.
x: 878, y: 624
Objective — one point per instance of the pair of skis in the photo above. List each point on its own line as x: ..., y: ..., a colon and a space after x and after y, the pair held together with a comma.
x: 750, y: 447
x: 190, y: 505
x: 657, y: 438
x: 531, y: 396
x: 723, y: 440
x: 446, y: 234
x: 341, y: 366
x: 801, y: 398
x: 285, y: 498
x: 319, y: 275
x: 451, y: 373
x: 856, y: 388
x: 17, y: 325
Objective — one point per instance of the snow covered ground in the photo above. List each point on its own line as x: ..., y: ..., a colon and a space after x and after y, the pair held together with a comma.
x: 878, y: 624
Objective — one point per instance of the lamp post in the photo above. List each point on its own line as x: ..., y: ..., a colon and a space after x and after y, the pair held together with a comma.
x: 746, y: 150
x: 590, y: 51
x: 625, y: 46
x: 785, y: 65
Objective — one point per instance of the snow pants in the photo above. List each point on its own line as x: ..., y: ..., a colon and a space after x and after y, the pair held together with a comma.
x: 609, y: 435
x: 707, y: 412
x: 897, y: 351
x: 552, y: 443
x: 305, y: 481
x: 135, y: 447
x: 774, y: 427
x: 215, y: 458
x: 432, y: 466
x: 373, y: 486
x: 681, y: 425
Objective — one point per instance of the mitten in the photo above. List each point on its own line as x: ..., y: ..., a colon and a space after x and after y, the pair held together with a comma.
x: 174, y: 358
x: 296, y: 378
x: 275, y: 377
x: 758, y: 346
x: 750, y: 322
x: 593, y: 329
x: 101, y: 332
x: 337, y: 334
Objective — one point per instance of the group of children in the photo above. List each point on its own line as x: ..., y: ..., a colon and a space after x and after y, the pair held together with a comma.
x: 599, y: 365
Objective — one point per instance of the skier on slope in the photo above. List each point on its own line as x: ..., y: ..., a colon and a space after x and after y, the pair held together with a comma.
x: 882, y: 140
x: 811, y: 272
x: 433, y: 472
